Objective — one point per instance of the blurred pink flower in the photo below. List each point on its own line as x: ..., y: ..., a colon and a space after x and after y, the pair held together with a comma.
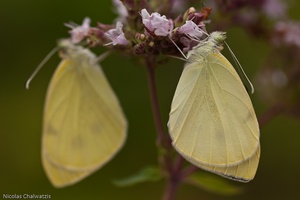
x: 274, y: 8
x: 289, y: 32
x: 160, y: 25
x: 78, y: 33
x: 116, y: 35
x: 179, y: 6
x: 121, y: 10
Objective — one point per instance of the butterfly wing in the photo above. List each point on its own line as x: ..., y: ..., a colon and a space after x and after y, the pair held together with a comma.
x: 84, y: 125
x: 212, y: 121
x: 243, y: 172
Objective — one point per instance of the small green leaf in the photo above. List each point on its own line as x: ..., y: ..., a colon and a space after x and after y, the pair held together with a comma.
x: 148, y: 174
x: 213, y: 183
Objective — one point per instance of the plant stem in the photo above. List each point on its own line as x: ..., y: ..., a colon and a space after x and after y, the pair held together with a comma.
x: 163, y: 140
x: 154, y: 101
x: 188, y: 171
x: 172, y: 185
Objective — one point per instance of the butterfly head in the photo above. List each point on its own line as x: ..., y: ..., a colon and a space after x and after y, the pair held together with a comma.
x: 67, y: 49
x: 218, y: 38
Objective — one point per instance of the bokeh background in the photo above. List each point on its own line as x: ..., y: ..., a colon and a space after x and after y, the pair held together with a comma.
x: 30, y: 29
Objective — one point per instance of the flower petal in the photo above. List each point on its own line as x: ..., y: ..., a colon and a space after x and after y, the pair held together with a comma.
x: 116, y: 35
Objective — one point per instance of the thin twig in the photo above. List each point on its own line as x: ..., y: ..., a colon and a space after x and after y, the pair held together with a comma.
x: 268, y: 115
x: 188, y: 171
x: 178, y: 163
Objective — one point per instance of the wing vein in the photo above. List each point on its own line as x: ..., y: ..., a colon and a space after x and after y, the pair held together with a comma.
x: 186, y: 116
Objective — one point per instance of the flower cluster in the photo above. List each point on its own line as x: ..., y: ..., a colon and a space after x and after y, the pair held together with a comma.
x: 138, y: 31
x: 155, y: 34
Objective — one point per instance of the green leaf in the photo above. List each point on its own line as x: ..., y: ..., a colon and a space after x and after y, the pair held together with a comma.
x: 148, y: 174
x: 213, y: 183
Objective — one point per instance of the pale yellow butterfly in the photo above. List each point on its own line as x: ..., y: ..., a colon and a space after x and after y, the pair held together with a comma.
x: 212, y: 122
x: 84, y: 125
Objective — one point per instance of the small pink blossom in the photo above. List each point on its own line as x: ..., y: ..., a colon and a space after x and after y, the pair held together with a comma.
x: 116, y: 35
x: 191, y: 29
x: 78, y: 33
x: 121, y: 10
x: 160, y: 25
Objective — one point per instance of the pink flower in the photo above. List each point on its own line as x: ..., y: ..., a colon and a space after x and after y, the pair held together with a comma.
x: 160, y: 25
x: 191, y: 29
x: 116, y: 35
x: 78, y: 33
x: 121, y: 10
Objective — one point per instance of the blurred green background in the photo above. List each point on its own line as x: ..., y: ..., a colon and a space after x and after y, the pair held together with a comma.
x: 29, y: 30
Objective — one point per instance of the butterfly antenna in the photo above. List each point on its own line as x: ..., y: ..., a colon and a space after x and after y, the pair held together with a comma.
x: 240, y: 68
x: 185, y: 58
x: 50, y: 54
x: 103, y: 56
